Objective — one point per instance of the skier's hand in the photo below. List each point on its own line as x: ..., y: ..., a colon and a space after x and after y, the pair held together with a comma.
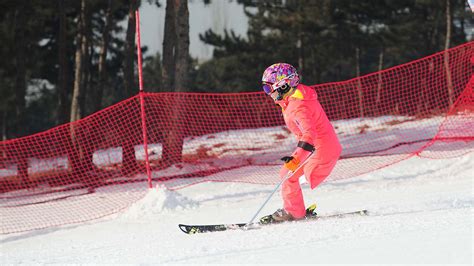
x: 291, y: 163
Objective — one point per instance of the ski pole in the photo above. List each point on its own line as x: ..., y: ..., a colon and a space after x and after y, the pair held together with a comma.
x: 290, y: 174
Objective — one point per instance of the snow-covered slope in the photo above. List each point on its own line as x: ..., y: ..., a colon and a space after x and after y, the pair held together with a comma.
x: 421, y: 212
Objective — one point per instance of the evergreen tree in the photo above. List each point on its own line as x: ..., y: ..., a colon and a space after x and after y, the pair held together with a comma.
x: 48, y: 30
x: 327, y: 40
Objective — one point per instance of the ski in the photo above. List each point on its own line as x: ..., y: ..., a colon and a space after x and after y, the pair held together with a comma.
x: 265, y: 220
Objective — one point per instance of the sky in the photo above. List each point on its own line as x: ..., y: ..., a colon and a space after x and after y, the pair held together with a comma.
x: 218, y: 16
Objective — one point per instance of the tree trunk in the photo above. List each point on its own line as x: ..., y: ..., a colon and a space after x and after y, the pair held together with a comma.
x: 20, y: 91
x: 20, y: 77
x: 464, y: 6
x: 169, y: 41
x: 299, y: 46
x: 299, y: 41
x: 4, y: 125
x: 422, y: 106
x: 446, y: 54
x: 86, y: 65
x: 168, y: 73
x: 62, y: 88
x: 182, y: 46
x: 379, y: 83
x: 103, y: 58
x: 3, y: 153
x: 128, y: 68
x: 81, y: 157
x: 174, y: 135
x: 129, y: 163
x: 433, y: 43
x: 359, y: 85
x: 79, y: 65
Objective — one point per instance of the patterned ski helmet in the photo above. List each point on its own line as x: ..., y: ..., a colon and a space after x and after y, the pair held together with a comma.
x: 279, y: 74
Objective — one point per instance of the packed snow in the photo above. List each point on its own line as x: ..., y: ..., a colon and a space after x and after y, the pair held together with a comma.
x: 421, y: 211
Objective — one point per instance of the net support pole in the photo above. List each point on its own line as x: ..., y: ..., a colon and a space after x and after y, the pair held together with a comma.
x: 141, y: 96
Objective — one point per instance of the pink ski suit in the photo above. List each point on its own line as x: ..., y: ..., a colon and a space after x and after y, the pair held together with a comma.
x: 307, y: 120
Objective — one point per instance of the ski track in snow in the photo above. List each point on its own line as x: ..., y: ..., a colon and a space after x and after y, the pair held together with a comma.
x: 421, y: 211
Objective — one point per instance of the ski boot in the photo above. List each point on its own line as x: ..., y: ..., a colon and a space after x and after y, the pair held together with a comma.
x: 277, y: 217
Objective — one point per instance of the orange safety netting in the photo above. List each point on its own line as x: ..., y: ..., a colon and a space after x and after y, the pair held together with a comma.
x: 97, y: 166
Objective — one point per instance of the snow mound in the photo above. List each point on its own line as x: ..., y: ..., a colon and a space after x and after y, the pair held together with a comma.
x: 158, y: 201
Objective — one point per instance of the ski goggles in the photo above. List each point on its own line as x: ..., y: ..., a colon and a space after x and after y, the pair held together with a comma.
x: 269, y: 88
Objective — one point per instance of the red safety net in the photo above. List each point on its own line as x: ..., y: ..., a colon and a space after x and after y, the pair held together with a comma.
x: 97, y: 166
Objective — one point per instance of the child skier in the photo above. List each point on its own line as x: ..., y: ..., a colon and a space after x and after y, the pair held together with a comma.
x: 307, y: 120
